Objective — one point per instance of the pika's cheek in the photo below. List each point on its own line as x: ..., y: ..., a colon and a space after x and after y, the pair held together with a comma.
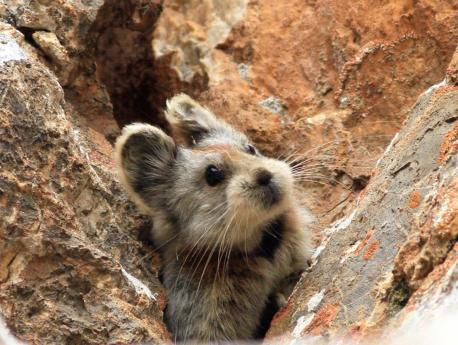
x: 285, y: 184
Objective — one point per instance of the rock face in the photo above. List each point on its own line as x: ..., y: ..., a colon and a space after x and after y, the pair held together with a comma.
x: 327, y: 84
x: 189, y: 31
x: 399, y: 244
x: 70, y: 260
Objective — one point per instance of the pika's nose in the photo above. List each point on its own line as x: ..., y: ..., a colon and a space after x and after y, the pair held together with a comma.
x: 263, y: 177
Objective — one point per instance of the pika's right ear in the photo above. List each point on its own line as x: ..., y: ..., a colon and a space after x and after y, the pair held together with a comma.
x: 144, y: 159
x: 191, y: 121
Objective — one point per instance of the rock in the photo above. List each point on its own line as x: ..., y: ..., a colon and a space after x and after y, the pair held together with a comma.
x: 62, y: 30
x: 69, y: 20
x: 50, y: 45
x: 325, y: 84
x: 10, y: 50
x: 393, y: 259
x: 190, y: 31
x: 452, y: 71
x: 72, y: 269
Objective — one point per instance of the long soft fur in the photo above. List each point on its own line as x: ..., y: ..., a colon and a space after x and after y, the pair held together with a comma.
x: 229, y: 250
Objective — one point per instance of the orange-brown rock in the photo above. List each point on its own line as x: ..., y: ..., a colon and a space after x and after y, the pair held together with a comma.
x: 325, y: 84
x: 72, y: 270
x: 391, y: 264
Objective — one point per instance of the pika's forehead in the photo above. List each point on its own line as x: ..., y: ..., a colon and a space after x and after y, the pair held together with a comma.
x: 228, y: 145
x: 218, y: 148
x: 228, y: 137
x: 229, y: 150
x: 220, y: 154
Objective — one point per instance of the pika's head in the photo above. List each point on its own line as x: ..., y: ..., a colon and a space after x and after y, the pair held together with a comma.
x: 217, y: 188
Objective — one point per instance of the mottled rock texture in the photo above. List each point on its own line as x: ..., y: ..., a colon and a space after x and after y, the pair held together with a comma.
x: 326, y: 83
x: 398, y: 244
x: 68, y: 235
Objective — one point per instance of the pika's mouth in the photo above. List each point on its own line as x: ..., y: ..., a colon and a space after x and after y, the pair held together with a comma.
x: 270, y: 195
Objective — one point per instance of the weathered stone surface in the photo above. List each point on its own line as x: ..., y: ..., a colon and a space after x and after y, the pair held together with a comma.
x: 396, y: 251
x: 189, y: 31
x: 452, y: 70
x: 327, y: 83
x: 70, y: 257
x: 63, y: 32
x: 50, y: 45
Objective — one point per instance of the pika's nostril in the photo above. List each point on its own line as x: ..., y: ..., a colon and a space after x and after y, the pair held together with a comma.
x: 263, y: 177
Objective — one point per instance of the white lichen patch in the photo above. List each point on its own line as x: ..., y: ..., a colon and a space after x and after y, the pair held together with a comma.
x: 317, y: 119
x: 343, y: 101
x: 388, y: 148
x: 10, y: 50
x: 315, y: 301
x: 301, y: 324
x: 350, y: 251
x: 273, y: 104
x: 244, y: 71
x: 435, y: 87
x: 139, y: 287
x: 340, y: 224
x: 318, y: 250
x: 441, y: 212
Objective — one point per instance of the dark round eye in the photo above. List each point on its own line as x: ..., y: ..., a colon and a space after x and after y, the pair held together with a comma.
x: 250, y: 149
x: 213, y: 175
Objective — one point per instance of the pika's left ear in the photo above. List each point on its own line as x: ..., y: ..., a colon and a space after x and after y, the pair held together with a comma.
x: 193, y: 122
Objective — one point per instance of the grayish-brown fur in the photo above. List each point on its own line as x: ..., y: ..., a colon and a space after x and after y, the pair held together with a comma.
x: 227, y: 249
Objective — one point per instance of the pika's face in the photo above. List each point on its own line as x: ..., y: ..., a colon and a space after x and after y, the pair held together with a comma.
x: 216, y: 189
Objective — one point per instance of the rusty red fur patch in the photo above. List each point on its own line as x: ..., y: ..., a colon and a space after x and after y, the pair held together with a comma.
x: 225, y: 149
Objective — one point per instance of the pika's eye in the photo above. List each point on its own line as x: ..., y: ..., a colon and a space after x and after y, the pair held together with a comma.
x: 213, y: 175
x: 250, y: 149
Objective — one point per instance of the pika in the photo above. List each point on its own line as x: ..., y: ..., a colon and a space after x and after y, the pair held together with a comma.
x: 227, y: 223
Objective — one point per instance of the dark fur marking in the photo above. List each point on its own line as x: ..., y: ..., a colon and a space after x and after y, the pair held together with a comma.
x: 270, y: 242
x: 271, y: 195
x: 267, y: 315
x: 271, y: 239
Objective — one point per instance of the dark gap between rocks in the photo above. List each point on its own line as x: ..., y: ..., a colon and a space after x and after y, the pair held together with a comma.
x: 138, y: 84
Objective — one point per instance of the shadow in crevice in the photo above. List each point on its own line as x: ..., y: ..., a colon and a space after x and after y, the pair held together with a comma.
x: 138, y: 84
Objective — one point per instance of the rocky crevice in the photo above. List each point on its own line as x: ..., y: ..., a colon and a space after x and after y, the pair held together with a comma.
x: 75, y: 266
x: 138, y: 84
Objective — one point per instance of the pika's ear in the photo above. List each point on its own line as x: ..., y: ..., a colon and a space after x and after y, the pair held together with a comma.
x: 144, y: 159
x: 191, y: 121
